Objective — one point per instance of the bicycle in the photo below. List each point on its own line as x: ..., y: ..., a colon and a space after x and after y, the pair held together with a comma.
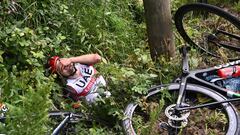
x: 68, y: 121
x: 180, y: 107
x: 66, y: 125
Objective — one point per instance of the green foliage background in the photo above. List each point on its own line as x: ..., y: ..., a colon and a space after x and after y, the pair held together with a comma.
x: 33, y: 30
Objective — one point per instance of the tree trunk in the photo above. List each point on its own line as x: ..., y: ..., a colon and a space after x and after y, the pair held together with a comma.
x: 159, y: 28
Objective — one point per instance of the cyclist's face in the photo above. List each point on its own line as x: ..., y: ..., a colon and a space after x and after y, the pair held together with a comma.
x: 67, y: 70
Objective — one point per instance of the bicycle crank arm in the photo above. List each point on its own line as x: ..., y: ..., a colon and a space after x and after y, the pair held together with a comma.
x: 205, y: 105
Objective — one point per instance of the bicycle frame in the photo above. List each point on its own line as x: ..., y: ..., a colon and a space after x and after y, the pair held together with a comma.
x: 175, y: 117
x: 194, y: 77
x: 61, y: 125
x: 67, y: 118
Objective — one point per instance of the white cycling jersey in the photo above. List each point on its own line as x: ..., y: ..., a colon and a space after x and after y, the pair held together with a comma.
x: 87, y: 82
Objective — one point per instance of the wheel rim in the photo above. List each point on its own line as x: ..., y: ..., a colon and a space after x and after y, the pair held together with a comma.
x: 130, y: 129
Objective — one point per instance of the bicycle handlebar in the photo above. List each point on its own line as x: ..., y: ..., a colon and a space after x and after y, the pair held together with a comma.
x: 57, y: 113
x: 68, y: 116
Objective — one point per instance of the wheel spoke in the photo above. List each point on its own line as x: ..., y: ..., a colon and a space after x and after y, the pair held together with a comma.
x: 193, y: 27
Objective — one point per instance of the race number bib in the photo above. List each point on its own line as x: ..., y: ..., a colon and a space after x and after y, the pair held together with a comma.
x: 85, y: 82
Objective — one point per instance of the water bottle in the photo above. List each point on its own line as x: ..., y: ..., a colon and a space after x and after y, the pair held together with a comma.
x: 233, y: 71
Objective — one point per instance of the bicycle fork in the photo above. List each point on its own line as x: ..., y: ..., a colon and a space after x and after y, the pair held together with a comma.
x: 176, y: 118
x: 183, y: 82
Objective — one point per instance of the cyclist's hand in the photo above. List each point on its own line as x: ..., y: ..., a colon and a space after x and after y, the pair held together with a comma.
x: 65, y: 61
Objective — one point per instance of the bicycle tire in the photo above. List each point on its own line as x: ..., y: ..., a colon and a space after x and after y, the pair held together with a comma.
x: 182, y: 11
x: 233, y: 118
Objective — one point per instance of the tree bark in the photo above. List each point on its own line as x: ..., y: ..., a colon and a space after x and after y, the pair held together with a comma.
x: 159, y: 28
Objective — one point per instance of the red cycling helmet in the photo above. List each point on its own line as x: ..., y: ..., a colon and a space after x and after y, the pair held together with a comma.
x: 52, y: 63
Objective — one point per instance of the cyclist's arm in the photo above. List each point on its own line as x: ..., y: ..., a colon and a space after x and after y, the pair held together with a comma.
x: 88, y: 59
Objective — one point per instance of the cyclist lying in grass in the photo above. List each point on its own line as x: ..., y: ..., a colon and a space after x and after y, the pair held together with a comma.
x: 81, y: 77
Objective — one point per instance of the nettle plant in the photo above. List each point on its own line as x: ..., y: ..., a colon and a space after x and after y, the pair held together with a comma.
x: 24, y: 88
x: 26, y: 94
x: 25, y: 47
x: 37, y: 30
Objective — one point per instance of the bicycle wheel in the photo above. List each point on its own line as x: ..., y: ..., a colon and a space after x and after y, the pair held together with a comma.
x: 209, y: 28
x: 151, y: 115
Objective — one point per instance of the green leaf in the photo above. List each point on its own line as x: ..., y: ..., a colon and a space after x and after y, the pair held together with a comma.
x: 104, y: 60
x: 38, y: 54
x: 144, y: 58
x: 21, y: 34
x: 1, y: 58
x: 153, y: 75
